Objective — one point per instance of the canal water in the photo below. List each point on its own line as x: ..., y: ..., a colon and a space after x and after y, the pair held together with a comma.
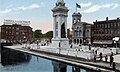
x: 15, y: 61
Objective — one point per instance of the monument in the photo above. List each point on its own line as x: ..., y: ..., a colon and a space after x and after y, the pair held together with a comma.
x: 60, y: 25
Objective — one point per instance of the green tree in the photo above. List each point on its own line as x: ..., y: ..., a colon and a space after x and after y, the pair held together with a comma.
x: 48, y: 35
x: 37, y: 34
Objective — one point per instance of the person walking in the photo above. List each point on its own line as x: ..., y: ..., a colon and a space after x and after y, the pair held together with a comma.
x: 59, y: 47
x: 111, y: 60
x: 71, y: 46
x: 113, y: 66
x: 94, y: 58
x: 101, y: 56
x: 106, y: 58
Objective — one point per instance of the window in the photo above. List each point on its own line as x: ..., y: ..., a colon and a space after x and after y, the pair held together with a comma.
x: 9, y: 27
x: 114, y: 24
x: 6, y: 32
x: 17, y: 28
x: 6, y: 27
x: 118, y: 24
x: 77, y: 27
x: 17, y: 33
x: 79, y: 32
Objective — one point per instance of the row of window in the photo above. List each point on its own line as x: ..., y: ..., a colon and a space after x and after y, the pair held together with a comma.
x: 107, y: 31
x: 109, y: 25
x: 14, y: 33
x: 79, y: 33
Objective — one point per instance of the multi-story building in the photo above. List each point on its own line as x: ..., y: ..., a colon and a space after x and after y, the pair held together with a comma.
x: 103, y: 32
x: 16, y: 31
x: 81, y: 31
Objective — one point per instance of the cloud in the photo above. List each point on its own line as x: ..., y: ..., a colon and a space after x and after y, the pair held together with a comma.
x: 5, y: 11
x: 92, y: 9
x: 85, y: 4
x: 115, y: 6
x: 30, y: 7
x: 95, y: 8
x: 33, y: 6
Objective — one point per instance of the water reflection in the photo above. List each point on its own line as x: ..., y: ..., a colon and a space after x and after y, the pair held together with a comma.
x: 62, y: 67
x: 12, y: 57
x: 59, y: 67
x: 17, y: 61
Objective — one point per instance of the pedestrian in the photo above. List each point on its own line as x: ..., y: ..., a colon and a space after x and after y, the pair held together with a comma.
x: 71, y: 46
x: 89, y: 47
x: 113, y: 66
x: 111, y: 53
x: 101, y: 56
x: 59, y: 44
x: 96, y: 52
x: 111, y: 60
x: 94, y: 58
x: 106, y: 58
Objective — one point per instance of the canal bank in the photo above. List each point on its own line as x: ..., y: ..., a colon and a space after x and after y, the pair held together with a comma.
x: 34, y: 64
x: 68, y: 59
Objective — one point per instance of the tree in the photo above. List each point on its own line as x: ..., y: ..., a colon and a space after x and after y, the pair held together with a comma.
x: 48, y: 35
x: 37, y: 34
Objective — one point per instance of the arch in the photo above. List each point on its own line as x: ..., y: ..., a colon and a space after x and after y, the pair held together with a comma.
x: 63, y: 33
x: 77, y: 41
x: 79, y: 32
x: 80, y: 41
x: 74, y: 41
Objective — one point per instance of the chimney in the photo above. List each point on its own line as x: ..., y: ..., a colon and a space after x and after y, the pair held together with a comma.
x: 96, y: 20
x: 118, y: 18
x: 106, y: 18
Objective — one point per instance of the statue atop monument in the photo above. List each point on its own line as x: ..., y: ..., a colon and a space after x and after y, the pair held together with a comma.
x: 60, y: 2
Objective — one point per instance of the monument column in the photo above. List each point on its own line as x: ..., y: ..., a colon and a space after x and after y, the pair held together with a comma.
x: 60, y: 25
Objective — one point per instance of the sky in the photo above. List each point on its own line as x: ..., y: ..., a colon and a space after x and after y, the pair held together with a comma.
x: 39, y: 13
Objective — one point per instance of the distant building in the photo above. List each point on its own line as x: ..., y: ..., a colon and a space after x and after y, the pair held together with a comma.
x: 81, y: 31
x: 16, y: 31
x: 103, y: 32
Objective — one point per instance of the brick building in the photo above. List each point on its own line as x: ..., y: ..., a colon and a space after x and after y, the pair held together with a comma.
x: 103, y: 32
x: 16, y: 31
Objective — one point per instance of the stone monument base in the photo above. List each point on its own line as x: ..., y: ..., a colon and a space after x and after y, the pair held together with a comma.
x: 64, y: 42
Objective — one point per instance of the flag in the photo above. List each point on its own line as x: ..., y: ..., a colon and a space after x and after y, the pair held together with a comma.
x: 78, y: 6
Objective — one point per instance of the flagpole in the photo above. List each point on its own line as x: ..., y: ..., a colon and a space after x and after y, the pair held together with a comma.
x: 76, y: 9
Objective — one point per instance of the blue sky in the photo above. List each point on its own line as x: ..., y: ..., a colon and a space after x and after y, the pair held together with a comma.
x: 40, y: 14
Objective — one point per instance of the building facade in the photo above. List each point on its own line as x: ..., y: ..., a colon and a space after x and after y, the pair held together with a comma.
x: 15, y: 32
x: 81, y: 31
x: 103, y: 32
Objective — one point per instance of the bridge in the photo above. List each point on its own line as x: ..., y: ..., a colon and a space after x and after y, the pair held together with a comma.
x: 72, y: 60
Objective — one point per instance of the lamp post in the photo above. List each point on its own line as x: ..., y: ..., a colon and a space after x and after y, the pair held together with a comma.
x: 59, y: 46
x: 89, y: 45
x: 25, y: 41
x: 84, y: 42
x: 115, y: 42
x: 116, y: 39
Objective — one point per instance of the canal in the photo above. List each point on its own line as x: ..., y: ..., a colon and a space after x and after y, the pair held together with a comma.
x: 15, y: 61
